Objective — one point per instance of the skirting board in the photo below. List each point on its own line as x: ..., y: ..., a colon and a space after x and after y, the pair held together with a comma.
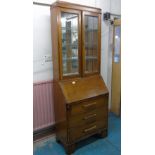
x: 43, y: 132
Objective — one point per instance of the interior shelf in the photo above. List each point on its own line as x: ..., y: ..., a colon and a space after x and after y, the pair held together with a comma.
x: 70, y: 59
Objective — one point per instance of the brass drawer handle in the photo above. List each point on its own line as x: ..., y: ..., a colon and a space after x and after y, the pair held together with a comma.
x: 89, y: 105
x: 89, y: 129
x: 90, y: 116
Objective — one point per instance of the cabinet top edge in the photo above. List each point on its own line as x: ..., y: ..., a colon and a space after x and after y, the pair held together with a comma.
x: 76, y: 6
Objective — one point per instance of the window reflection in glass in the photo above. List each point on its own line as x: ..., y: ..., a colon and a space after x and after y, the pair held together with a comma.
x: 117, y: 45
x: 91, y: 44
x: 69, y: 27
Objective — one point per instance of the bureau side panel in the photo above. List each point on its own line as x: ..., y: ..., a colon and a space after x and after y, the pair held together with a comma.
x: 55, y: 46
x: 59, y: 101
x: 60, y: 113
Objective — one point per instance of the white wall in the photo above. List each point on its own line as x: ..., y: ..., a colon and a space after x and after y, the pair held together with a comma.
x: 42, y: 70
x: 42, y: 38
x: 115, y: 6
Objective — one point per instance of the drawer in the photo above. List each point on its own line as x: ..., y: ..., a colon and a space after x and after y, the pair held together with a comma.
x: 80, y: 132
x: 89, y: 117
x: 89, y: 105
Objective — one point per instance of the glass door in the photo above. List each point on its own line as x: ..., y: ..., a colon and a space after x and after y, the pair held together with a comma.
x: 70, y: 31
x: 91, y: 43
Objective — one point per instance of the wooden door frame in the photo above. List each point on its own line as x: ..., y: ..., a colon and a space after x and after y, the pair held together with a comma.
x: 117, y: 22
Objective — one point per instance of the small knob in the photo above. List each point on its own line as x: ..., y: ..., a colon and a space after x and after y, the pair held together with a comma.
x: 73, y: 82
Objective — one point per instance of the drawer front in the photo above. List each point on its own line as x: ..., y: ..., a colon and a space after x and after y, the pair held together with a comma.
x: 88, y: 106
x: 80, y: 132
x: 89, y: 117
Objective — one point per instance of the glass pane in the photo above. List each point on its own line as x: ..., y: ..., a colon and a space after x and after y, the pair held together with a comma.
x: 117, y: 46
x: 69, y: 27
x: 91, y: 44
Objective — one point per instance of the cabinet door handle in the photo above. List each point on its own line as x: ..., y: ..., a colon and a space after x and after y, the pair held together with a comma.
x: 89, y: 129
x: 90, y: 116
x: 89, y: 105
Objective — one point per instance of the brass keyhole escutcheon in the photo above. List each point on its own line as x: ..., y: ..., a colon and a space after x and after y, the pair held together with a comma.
x: 73, y: 82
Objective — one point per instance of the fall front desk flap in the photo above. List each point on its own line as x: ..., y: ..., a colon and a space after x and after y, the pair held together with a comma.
x: 83, y: 88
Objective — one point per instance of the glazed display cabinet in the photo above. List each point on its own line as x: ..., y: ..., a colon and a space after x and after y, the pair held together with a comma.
x: 80, y: 94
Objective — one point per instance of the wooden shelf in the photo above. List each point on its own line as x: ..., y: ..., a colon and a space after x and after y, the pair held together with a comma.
x: 91, y: 58
x: 70, y: 59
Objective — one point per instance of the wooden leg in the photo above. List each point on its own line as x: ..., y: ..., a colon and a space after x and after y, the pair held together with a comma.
x: 70, y: 148
x: 103, y: 134
x: 57, y: 140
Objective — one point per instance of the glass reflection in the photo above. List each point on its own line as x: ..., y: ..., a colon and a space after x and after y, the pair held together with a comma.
x: 69, y: 27
x: 91, y: 44
x: 117, y: 45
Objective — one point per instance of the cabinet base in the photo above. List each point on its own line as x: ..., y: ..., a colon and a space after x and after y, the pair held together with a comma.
x: 70, y: 148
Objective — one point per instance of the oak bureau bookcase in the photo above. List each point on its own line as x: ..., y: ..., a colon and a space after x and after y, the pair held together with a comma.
x: 80, y: 94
